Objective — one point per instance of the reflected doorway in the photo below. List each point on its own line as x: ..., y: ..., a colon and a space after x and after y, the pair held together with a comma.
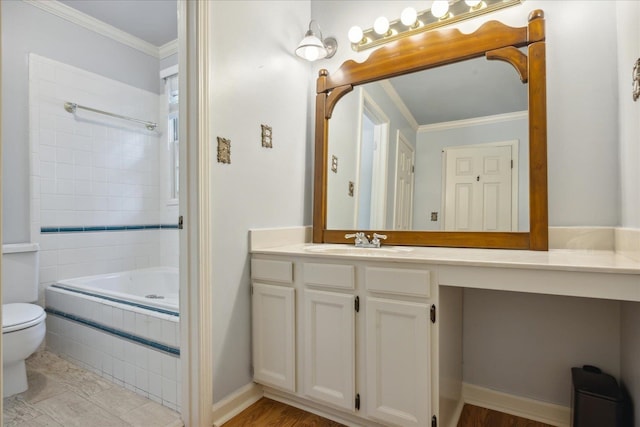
x: 371, y: 188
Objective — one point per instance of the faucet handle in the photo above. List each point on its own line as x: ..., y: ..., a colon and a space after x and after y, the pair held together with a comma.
x: 360, y: 238
x: 376, y: 239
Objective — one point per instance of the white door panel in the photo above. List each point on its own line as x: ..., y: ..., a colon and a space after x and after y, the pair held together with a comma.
x: 398, y: 362
x: 478, y: 193
x: 330, y: 348
x: 273, y: 315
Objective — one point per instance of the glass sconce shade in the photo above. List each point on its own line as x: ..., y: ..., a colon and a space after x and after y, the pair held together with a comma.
x: 313, y: 47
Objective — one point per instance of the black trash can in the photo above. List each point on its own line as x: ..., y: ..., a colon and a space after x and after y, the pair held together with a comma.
x: 597, y: 401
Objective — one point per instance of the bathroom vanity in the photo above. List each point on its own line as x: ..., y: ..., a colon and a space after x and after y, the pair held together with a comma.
x: 373, y: 336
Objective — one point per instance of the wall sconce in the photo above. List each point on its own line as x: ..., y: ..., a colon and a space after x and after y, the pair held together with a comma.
x: 313, y: 47
x: 442, y: 13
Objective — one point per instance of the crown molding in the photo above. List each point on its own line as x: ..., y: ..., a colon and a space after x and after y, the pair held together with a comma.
x: 516, y: 115
x: 168, y: 49
x: 72, y: 15
x: 397, y: 100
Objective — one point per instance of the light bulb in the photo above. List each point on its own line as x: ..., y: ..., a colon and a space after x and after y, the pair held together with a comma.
x: 381, y: 25
x: 439, y: 8
x: 409, y: 17
x: 355, y: 34
x: 472, y: 3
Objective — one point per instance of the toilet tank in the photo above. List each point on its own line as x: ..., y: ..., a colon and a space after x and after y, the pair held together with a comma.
x: 20, y: 269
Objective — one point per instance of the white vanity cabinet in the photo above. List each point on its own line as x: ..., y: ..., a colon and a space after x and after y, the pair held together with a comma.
x: 329, y: 333
x: 273, y: 324
x: 398, y: 345
x: 363, y: 329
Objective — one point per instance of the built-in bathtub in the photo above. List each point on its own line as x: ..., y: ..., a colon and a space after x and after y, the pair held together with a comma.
x: 123, y: 326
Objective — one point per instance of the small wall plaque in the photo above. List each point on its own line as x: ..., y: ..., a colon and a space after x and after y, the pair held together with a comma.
x: 266, y: 136
x: 224, y: 150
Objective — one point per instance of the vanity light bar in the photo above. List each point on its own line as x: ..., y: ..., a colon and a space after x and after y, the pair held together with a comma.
x: 425, y: 21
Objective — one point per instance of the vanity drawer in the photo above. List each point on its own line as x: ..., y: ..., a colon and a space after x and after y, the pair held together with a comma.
x: 399, y: 281
x: 270, y: 270
x: 329, y: 275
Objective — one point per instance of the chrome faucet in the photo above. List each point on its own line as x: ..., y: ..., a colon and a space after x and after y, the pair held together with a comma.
x: 362, y: 240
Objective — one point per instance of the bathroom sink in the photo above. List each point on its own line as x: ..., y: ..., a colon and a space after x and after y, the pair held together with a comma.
x: 352, y: 250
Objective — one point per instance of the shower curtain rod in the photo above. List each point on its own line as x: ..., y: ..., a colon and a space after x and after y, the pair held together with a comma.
x: 71, y: 107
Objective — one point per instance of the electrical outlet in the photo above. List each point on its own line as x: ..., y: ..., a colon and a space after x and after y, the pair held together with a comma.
x: 334, y: 164
x: 434, y: 216
x: 351, y: 188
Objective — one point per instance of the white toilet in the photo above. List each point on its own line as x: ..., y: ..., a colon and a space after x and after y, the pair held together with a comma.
x: 23, y: 326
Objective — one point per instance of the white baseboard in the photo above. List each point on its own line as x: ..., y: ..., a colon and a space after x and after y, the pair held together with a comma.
x: 457, y: 413
x: 531, y: 409
x: 235, y: 403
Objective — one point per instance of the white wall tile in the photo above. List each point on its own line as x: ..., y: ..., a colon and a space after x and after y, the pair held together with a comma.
x: 129, y: 374
x: 169, y: 332
x: 142, y: 379
x: 98, y: 172
x: 118, y: 369
x: 169, y: 391
x: 142, y: 325
x: 117, y: 349
x: 155, y: 385
x: 155, y: 362
x: 169, y: 366
x: 155, y: 329
x: 141, y: 356
x: 129, y: 323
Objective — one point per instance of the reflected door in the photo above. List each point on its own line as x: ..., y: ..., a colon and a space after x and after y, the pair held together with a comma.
x: 478, y: 188
x: 405, y: 159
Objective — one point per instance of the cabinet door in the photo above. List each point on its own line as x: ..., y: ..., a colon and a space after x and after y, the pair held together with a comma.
x: 330, y: 348
x: 398, y: 362
x: 273, y: 312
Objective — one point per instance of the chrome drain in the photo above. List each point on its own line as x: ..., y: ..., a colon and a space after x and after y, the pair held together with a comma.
x: 154, y: 296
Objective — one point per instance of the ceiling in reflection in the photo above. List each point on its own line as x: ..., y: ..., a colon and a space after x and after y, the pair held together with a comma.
x: 464, y: 90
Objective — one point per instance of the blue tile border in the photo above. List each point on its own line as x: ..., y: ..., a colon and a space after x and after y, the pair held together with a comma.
x: 140, y: 340
x: 94, y: 228
x: 120, y: 301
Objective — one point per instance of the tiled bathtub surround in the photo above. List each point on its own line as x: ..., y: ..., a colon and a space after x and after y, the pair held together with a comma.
x: 68, y: 255
x: 92, y: 171
x: 135, y: 363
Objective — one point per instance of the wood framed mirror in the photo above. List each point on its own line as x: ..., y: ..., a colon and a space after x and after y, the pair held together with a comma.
x: 522, y: 50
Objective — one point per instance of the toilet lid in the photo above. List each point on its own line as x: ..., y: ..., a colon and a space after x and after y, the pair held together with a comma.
x: 18, y: 316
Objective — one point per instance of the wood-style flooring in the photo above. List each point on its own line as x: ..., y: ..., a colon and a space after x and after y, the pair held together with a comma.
x: 474, y: 416
x: 267, y: 412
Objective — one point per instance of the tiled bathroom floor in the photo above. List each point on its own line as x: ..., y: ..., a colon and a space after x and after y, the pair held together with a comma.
x: 62, y: 394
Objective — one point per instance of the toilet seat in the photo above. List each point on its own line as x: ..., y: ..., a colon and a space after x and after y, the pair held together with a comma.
x: 17, y: 316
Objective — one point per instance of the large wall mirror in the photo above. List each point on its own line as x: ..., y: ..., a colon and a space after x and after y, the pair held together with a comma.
x: 438, y: 139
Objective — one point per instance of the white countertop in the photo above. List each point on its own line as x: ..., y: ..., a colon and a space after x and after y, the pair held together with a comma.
x: 555, y: 259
